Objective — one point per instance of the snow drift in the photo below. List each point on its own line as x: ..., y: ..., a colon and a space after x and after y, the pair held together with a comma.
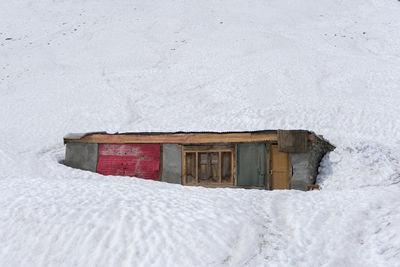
x: 73, y: 66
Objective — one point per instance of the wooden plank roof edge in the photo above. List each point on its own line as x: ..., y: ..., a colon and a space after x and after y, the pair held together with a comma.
x: 76, y: 137
x: 71, y: 136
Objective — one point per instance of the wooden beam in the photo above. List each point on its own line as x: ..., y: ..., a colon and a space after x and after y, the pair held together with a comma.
x: 232, y: 169
x: 197, y: 167
x: 183, y: 166
x: 209, y: 151
x: 191, y: 138
x: 219, y: 167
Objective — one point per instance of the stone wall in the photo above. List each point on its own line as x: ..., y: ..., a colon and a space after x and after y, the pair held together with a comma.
x: 82, y: 156
x: 172, y: 164
x: 305, y: 165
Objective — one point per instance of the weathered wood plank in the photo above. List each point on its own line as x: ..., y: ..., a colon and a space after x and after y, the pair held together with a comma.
x: 183, y: 166
x: 197, y: 167
x: 176, y: 138
x: 219, y: 167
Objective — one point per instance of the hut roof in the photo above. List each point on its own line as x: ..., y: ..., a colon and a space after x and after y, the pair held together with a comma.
x: 185, y: 137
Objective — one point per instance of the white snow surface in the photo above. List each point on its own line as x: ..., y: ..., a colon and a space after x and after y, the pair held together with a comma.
x: 330, y: 66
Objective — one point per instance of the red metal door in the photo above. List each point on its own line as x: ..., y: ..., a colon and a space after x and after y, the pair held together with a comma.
x: 139, y: 160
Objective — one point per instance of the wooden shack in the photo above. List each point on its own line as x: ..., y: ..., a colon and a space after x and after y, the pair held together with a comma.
x: 268, y: 159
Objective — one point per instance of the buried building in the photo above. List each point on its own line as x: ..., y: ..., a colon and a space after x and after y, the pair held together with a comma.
x: 270, y: 159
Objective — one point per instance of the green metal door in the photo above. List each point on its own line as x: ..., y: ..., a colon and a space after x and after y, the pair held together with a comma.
x: 251, y: 164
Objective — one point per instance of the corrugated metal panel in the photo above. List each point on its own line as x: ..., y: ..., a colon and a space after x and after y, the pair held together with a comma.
x: 139, y: 160
x: 251, y: 166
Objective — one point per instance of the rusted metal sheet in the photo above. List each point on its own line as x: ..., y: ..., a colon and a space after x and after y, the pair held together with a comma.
x: 138, y: 160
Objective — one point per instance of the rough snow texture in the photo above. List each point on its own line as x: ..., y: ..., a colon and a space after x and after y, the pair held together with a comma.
x: 330, y: 66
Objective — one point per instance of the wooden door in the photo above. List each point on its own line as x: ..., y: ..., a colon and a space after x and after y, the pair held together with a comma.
x: 279, y: 169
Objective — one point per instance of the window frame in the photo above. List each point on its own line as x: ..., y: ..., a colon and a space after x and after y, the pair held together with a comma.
x: 204, y: 149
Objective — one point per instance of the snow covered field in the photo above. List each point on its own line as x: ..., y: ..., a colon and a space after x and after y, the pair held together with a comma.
x: 330, y: 66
